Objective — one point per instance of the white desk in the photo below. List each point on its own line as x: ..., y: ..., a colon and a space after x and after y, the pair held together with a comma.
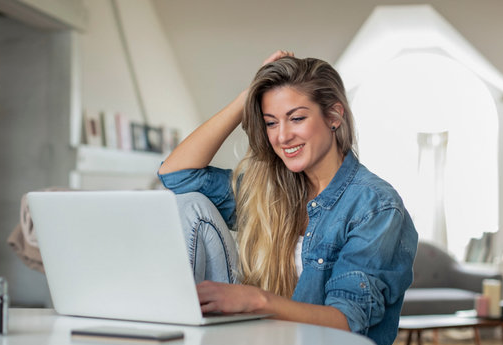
x: 44, y: 326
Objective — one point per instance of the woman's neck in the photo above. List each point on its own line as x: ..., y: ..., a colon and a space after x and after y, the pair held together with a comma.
x: 320, y: 178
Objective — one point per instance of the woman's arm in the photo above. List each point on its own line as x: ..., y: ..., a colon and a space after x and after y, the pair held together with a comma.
x: 232, y: 298
x: 199, y: 148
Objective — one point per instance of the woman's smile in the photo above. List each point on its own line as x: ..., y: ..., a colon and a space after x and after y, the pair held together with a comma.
x: 293, y: 151
x: 299, y: 133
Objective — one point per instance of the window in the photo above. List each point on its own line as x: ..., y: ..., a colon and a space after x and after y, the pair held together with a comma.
x: 429, y: 126
x: 426, y: 107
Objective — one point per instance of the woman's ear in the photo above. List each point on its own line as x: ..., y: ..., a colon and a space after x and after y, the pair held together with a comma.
x: 336, y: 115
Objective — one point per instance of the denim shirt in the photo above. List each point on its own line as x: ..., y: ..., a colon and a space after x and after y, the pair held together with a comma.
x: 358, y: 249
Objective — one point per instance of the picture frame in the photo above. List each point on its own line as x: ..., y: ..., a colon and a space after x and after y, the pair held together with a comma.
x: 139, y: 137
x: 155, y: 139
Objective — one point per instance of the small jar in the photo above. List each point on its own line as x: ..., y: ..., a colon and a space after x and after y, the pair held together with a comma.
x: 482, y: 306
x: 4, y: 306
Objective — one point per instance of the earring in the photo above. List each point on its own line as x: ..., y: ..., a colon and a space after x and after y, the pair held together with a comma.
x: 334, y: 128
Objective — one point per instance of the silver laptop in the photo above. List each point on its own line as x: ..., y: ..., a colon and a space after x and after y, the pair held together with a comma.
x: 118, y: 255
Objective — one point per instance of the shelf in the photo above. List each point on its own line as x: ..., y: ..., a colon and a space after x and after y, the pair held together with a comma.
x: 91, y: 159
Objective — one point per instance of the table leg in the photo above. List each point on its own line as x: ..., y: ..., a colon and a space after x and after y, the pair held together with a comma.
x: 435, y: 337
x: 409, y: 337
x: 477, y: 335
x: 419, y: 341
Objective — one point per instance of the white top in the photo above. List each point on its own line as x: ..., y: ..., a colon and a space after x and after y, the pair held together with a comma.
x: 298, y: 258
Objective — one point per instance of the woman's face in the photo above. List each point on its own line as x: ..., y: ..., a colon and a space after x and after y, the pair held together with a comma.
x: 298, y: 131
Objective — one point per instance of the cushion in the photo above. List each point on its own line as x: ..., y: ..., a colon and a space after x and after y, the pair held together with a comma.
x: 422, y: 301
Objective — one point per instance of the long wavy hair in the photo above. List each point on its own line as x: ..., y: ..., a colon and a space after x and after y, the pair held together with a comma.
x: 270, y: 199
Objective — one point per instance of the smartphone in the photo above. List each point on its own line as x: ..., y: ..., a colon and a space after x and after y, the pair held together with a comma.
x: 140, y: 334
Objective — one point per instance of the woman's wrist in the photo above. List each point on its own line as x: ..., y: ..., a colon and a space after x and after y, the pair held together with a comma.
x: 263, y: 301
x: 241, y: 100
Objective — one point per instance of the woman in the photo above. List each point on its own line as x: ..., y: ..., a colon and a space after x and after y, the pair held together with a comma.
x: 345, y: 259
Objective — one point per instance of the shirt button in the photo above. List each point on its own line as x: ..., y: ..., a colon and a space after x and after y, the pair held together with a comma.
x: 363, y: 285
x: 313, y: 204
x: 320, y: 261
x: 308, y: 234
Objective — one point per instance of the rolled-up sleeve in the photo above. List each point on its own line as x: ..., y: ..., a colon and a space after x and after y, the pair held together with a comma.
x: 373, y: 269
x: 214, y: 183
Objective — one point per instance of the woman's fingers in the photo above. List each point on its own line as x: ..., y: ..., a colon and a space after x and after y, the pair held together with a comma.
x: 277, y: 55
x: 206, y: 291
x: 214, y: 299
x: 209, y: 308
x: 227, y: 298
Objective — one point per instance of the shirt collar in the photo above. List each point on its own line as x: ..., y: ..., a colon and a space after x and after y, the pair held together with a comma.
x: 329, y: 196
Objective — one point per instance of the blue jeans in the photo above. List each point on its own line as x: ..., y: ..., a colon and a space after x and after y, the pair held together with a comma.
x: 212, y: 250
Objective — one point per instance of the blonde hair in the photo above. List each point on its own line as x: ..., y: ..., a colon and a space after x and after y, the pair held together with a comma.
x: 270, y: 199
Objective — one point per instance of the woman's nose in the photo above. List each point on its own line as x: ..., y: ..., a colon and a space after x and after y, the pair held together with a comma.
x: 285, y: 134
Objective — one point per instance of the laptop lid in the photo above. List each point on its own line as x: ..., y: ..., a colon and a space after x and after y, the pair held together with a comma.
x: 116, y: 254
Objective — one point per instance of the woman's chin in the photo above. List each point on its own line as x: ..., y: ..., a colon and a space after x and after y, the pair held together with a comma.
x: 294, y: 168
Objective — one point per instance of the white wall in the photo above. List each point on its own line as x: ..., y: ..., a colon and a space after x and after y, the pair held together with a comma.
x: 36, y: 90
x: 35, y: 79
x: 106, y: 81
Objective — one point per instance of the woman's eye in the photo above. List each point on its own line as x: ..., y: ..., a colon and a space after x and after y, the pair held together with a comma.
x: 298, y: 118
x: 269, y: 124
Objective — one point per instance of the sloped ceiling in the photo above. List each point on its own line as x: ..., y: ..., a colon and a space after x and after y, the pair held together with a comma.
x: 220, y: 43
x: 393, y: 30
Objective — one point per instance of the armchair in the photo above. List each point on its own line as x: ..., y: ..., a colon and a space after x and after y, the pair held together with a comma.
x: 441, y: 284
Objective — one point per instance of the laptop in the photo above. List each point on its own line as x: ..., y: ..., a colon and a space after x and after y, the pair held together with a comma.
x: 118, y: 255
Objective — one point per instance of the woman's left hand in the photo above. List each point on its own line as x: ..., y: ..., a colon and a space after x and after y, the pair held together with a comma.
x: 229, y: 298
x: 235, y: 298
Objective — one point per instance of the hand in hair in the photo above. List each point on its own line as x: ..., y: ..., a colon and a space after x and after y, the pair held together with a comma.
x: 199, y: 148
x: 277, y: 55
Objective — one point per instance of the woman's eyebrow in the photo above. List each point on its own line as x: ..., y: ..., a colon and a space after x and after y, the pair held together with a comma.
x: 290, y: 112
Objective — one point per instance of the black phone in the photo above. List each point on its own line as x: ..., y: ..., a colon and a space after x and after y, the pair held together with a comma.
x: 140, y: 334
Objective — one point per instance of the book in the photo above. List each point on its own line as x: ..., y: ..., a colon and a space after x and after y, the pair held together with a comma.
x: 122, y: 124
x: 92, y: 129
x: 109, y: 130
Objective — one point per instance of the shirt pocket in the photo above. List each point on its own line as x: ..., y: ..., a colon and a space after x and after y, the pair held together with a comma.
x: 322, y: 256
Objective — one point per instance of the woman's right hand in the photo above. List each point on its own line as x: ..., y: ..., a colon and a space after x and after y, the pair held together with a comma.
x: 278, y: 54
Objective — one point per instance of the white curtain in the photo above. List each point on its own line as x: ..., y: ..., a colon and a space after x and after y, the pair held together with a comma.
x: 430, y: 207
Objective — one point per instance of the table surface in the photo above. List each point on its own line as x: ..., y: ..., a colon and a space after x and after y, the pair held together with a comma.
x: 45, y: 326
x: 416, y: 322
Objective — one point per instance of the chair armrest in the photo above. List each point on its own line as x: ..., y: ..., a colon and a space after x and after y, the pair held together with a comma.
x: 467, y: 277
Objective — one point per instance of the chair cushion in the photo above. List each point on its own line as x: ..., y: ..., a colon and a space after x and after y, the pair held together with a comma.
x: 422, y: 301
x: 432, y: 267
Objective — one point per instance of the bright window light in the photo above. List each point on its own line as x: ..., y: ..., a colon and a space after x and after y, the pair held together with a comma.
x: 430, y: 93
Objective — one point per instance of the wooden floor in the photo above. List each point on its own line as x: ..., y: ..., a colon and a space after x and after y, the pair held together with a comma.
x: 453, y: 337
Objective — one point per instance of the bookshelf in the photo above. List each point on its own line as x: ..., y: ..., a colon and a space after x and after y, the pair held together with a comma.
x: 106, y: 168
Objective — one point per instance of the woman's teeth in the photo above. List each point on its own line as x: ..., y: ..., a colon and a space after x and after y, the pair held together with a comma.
x: 293, y: 149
